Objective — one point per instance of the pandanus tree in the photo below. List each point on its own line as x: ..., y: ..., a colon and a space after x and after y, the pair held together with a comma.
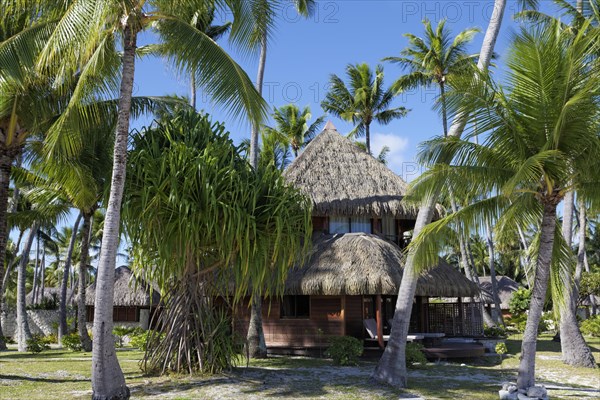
x: 90, y: 28
x: 541, y: 139
x: 362, y: 101
x: 203, y: 225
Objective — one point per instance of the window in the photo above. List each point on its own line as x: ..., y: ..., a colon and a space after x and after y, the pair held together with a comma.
x: 295, y: 307
x: 125, y: 314
x: 389, y: 228
x: 360, y: 224
x: 348, y: 225
x: 339, y: 225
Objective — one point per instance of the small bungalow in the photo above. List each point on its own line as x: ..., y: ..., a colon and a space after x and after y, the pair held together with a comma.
x: 134, y: 301
x: 51, y: 297
x: 506, y: 288
x: 354, y: 270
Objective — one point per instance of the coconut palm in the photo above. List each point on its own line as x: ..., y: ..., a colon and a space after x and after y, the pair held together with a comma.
x: 362, y: 101
x: 434, y: 59
x: 542, y: 139
x: 391, y: 368
x: 291, y: 125
x: 80, y: 41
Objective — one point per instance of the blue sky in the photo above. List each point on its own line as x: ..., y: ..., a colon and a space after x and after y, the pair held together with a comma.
x: 304, y: 52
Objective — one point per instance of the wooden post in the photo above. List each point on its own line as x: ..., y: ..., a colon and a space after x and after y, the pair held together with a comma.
x: 461, y: 316
x: 379, y: 322
x: 343, y: 315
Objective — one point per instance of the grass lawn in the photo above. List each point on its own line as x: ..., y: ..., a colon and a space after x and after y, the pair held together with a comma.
x: 58, y: 374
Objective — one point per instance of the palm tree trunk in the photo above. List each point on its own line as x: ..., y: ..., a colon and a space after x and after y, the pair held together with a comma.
x: 62, y: 323
x: 257, y: 347
x: 5, y: 166
x: 193, y: 90
x: 444, y: 108
x: 36, y: 272
x: 86, y: 342
x: 526, y: 377
x: 23, y: 332
x: 485, y: 57
x: 575, y: 351
x: 43, y: 274
x: 10, y: 267
x: 368, y: 137
x: 391, y: 368
x: 392, y: 365
x: 259, y: 86
x: 108, y: 381
x: 490, y: 245
x: 524, y: 261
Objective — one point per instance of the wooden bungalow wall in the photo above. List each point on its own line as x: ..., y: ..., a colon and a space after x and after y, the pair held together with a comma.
x: 327, y: 318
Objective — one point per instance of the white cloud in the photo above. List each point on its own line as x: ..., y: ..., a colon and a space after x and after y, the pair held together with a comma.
x: 397, y: 145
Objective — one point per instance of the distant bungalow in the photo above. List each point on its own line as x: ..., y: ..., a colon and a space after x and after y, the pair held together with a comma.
x: 352, y: 276
x: 134, y: 301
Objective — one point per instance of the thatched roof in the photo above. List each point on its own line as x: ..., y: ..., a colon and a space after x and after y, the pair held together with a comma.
x: 506, y: 287
x: 50, y: 293
x: 364, y: 264
x: 128, y: 292
x: 341, y: 179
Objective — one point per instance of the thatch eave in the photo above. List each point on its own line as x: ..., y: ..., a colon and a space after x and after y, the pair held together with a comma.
x: 127, y: 291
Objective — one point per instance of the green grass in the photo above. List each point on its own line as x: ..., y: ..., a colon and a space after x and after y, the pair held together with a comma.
x: 65, y: 375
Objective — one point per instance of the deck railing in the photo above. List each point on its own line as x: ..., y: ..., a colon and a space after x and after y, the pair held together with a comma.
x: 455, y: 319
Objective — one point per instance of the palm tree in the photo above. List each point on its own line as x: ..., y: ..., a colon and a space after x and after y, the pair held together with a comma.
x: 362, y: 101
x: 202, y: 20
x: 291, y: 125
x: 88, y: 29
x: 434, y: 60
x: 391, y: 368
x: 264, y: 12
x: 542, y: 140
x: 573, y: 346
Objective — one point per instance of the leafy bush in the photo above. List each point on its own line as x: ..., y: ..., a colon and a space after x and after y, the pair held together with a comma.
x: 36, y: 344
x: 120, y: 332
x: 50, y: 339
x: 344, y: 350
x: 494, y: 331
x: 414, y: 355
x: 8, y: 340
x: 591, y: 326
x: 519, y: 302
x: 519, y: 322
x: 140, y: 340
x: 72, y: 342
x: 501, y: 348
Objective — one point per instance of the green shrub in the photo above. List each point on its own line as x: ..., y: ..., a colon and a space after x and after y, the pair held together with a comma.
x: 139, y: 340
x: 414, y: 355
x: 344, y: 350
x: 591, y: 326
x: 36, y: 344
x: 50, y: 339
x: 8, y: 340
x: 519, y: 302
x: 120, y: 332
x: 494, y: 331
x: 519, y: 322
x: 72, y: 342
x: 501, y: 348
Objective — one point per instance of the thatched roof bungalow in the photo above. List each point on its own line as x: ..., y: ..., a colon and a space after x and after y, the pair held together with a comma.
x: 342, y: 179
x: 133, y: 300
x: 352, y: 275
x: 51, y: 295
x: 506, y: 288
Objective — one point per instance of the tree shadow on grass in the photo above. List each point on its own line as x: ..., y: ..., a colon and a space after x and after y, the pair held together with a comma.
x: 40, y: 379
